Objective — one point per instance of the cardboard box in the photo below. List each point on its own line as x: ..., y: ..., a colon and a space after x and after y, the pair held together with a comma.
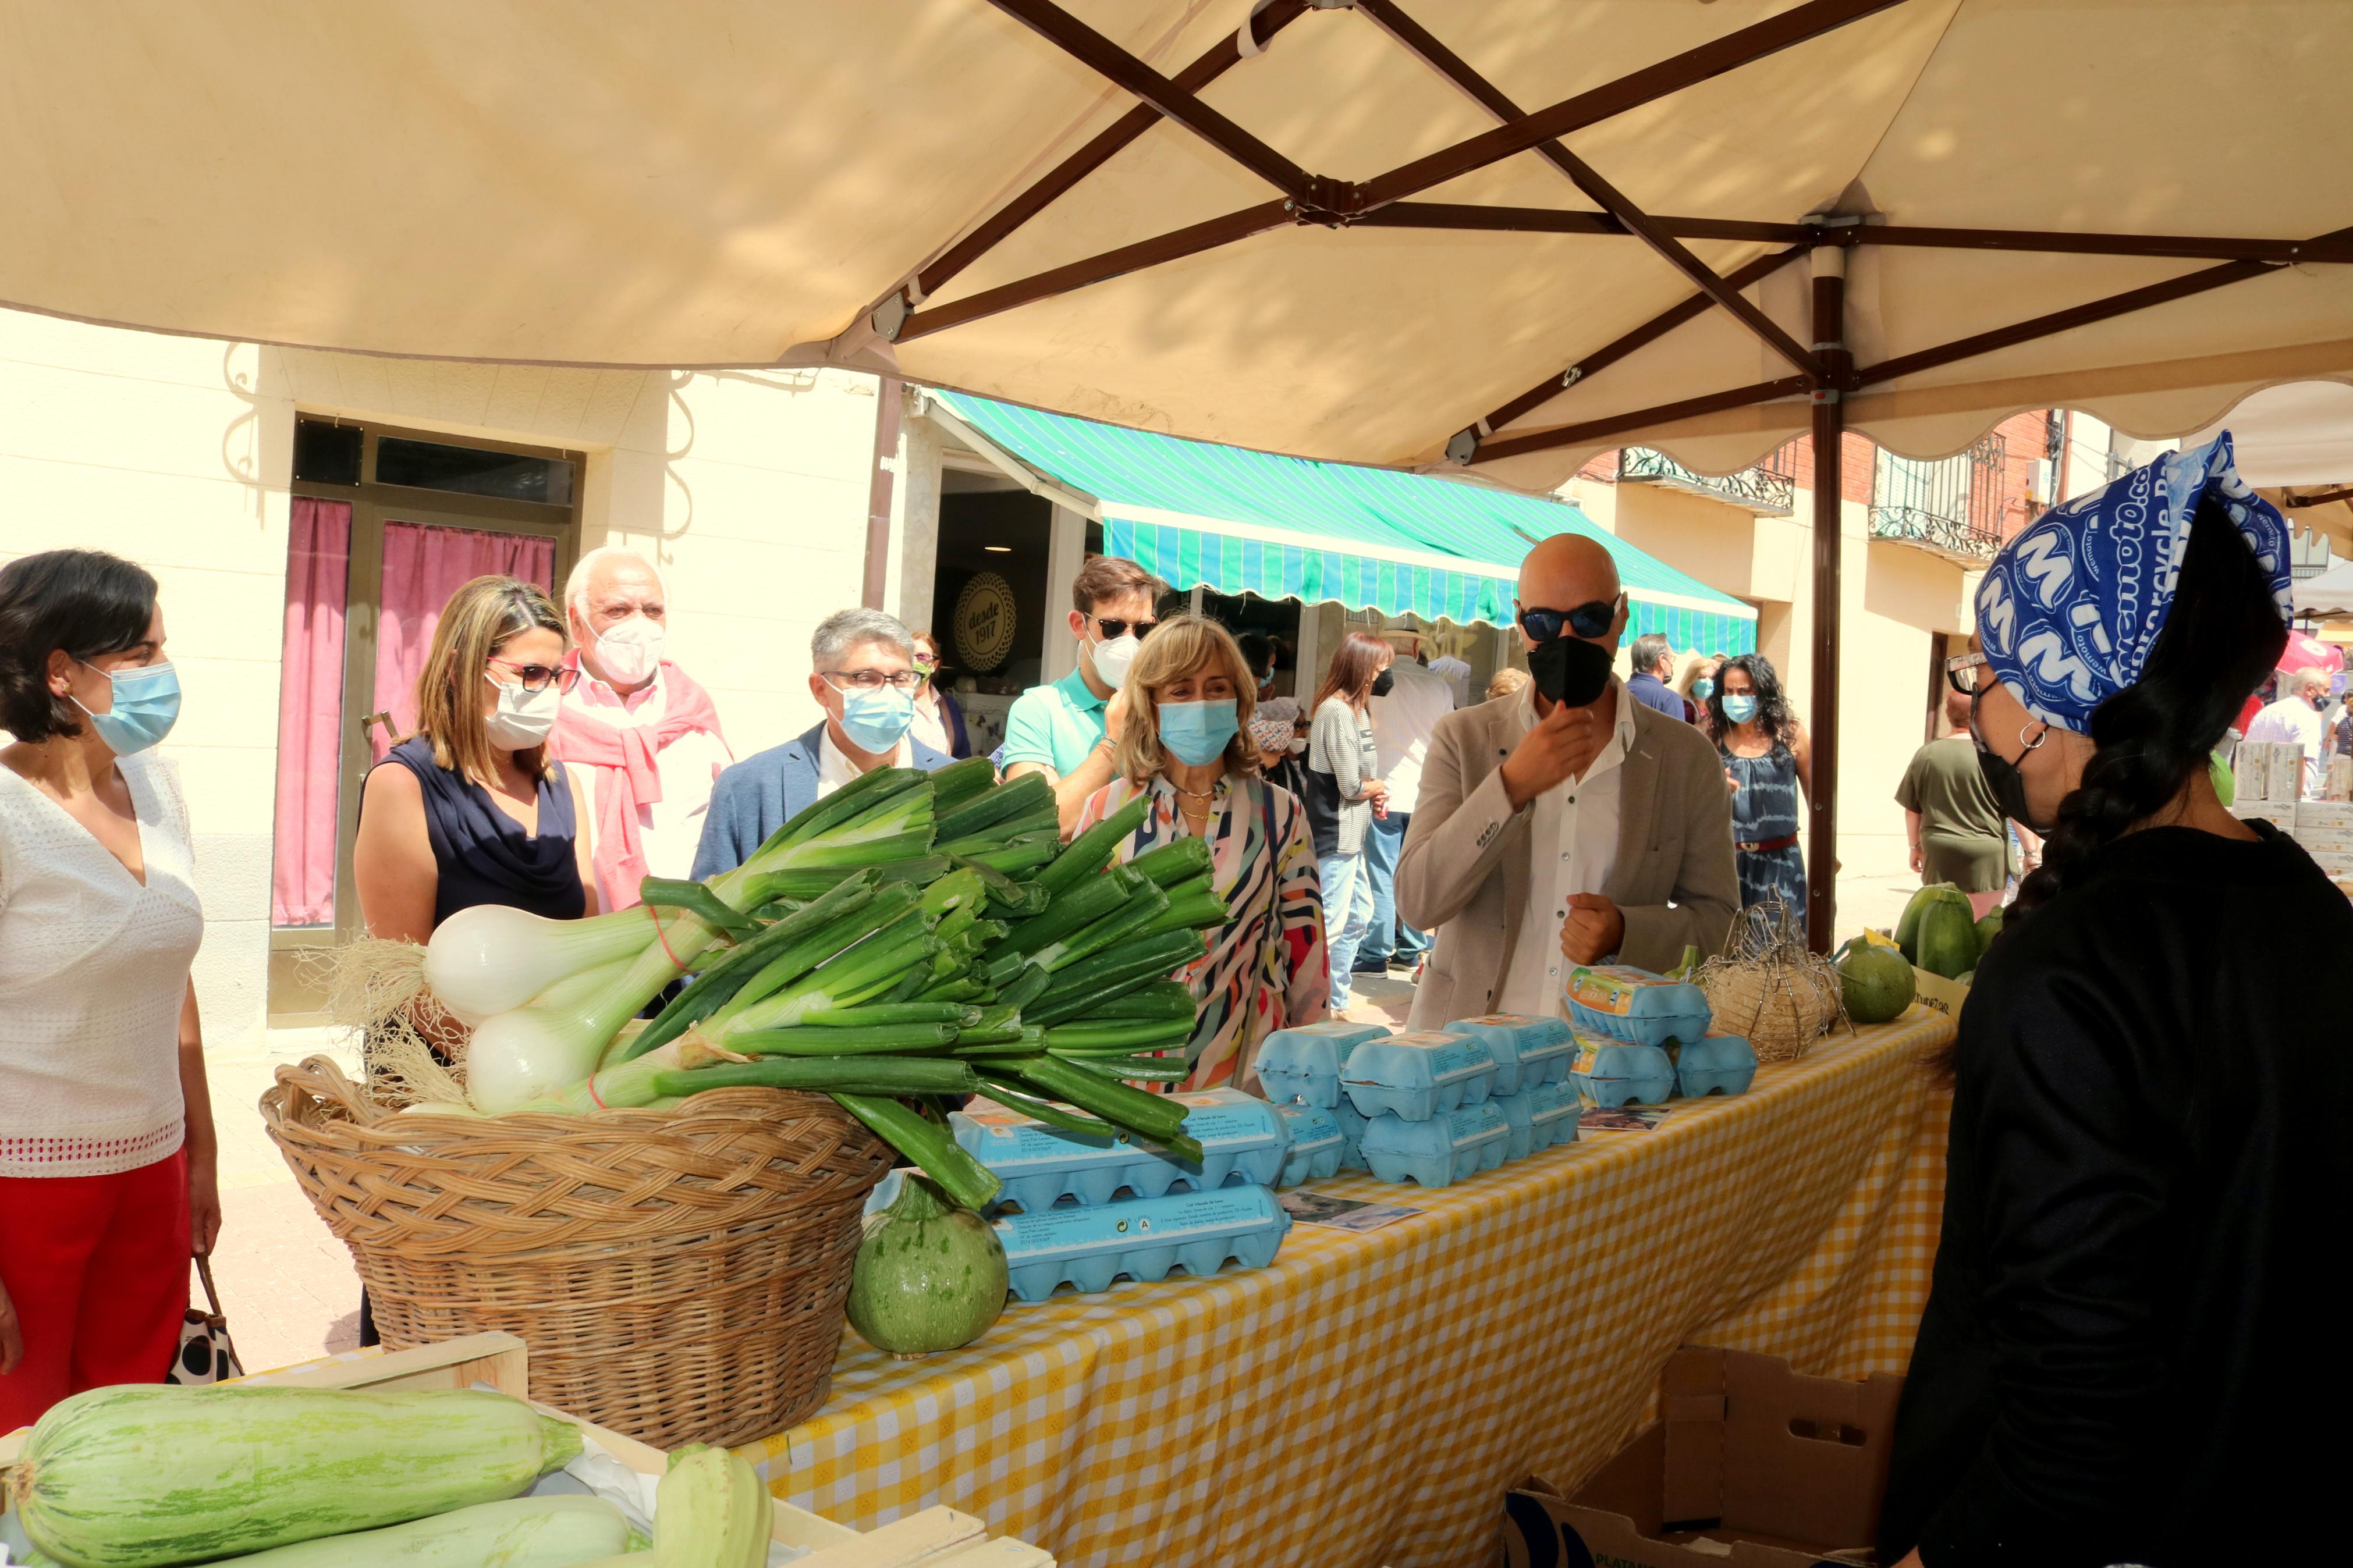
x: 501, y: 1361
x: 2324, y: 816
x: 2279, y: 813
x: 2325, y: 840
x: 2251, y: 776
x: 1781, y: 1468
x: 2336, y: 866
x: 2283, y: 769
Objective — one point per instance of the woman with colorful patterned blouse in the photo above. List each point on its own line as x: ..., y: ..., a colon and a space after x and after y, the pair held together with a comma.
x: 1178, y: 731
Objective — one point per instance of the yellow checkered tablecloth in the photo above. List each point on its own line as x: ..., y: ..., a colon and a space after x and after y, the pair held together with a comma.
x: 1369, y: 1398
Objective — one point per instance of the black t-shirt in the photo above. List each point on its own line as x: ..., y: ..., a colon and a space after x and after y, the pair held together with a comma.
x: 2130, y: 1352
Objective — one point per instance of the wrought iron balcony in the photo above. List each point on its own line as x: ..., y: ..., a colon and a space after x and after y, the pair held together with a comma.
x: 1768, y: 488
x: 1952, y: 506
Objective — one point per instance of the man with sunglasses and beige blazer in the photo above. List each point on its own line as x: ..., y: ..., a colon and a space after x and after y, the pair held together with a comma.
x: 1567, y: 824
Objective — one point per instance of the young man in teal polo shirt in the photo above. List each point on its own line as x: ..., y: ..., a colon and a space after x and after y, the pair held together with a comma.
x: 1058, y: 730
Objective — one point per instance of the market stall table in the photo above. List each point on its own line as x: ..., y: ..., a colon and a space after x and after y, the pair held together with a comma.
x: 1369, y: 1398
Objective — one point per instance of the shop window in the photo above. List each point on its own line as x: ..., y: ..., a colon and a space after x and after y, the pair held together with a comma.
x: 473, y: 471
x: 326, y: 453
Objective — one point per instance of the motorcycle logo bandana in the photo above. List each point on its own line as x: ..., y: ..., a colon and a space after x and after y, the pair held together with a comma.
x: 2070, y: 608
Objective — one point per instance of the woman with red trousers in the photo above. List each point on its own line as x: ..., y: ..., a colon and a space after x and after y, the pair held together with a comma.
x: 107, y: 1175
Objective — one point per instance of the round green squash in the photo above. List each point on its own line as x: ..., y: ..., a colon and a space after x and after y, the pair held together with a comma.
x: 929, y: 1276
x: 1878, y: 985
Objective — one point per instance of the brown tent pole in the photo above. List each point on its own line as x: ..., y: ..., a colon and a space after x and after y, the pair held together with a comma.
x: 1829, y: 443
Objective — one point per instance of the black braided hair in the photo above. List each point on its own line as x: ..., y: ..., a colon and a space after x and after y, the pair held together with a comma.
x: 2221, y: 637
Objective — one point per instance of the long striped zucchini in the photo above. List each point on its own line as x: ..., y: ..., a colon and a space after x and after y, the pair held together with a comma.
x: 143, y: 1475
x: 523, y: 1532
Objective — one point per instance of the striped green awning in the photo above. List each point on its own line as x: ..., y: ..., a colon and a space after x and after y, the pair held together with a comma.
x: 1238, y: 521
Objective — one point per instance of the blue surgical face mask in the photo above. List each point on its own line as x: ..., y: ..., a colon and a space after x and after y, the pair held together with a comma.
x: 875, y: 719
x: 1197, y: 732
x: 1740, y: 708
x: 1702, y: 688
x: 146, y: 706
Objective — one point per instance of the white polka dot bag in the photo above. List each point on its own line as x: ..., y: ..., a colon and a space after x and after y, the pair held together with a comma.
x: 206, y: 1353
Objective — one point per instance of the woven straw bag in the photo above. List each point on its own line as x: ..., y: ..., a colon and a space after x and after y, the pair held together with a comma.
x: 679, y: 1275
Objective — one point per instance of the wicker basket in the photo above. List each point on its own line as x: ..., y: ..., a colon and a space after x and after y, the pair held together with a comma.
x: 679, y: 1275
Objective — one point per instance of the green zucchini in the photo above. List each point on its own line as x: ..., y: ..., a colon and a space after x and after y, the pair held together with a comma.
x: 567, y: 1532
x: 140, y: 1476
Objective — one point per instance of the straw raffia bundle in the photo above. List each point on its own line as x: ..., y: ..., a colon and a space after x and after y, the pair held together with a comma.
x: 1769, y: 986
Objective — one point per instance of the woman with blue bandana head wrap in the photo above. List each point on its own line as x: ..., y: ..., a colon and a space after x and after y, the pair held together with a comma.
x: 2115, y: 1349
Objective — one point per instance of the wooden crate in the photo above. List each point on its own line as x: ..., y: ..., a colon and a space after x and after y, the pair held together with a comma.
x: 502, y: 1361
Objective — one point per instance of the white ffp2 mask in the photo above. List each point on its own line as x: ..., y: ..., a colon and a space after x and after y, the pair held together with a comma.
x: 1112, y: 658
x: 522, y: 719
x: 631, y: 651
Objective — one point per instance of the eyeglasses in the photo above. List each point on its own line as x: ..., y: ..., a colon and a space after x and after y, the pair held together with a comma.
x: 530, y: 676
x: 873, y: 680
x: 1587, y: 620
x: 1962, y: 671
x: 1113, y: 630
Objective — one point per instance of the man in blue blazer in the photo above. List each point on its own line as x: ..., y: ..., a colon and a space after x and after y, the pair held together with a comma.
x: 862, y: 673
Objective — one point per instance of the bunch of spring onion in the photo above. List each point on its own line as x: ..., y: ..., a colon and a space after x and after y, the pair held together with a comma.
x: 909, y: 936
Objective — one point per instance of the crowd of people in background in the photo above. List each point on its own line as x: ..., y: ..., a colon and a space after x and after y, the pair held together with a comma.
x: 559, y: 757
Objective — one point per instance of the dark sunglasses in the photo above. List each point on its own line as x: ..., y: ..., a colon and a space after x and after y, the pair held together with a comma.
x: 1113, y: 629
x: 1968, y: 673
x: 1591, y: 620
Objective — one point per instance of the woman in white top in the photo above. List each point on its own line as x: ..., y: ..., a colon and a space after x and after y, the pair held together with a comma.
x: 1343, y: 795
x: 107, y: 1175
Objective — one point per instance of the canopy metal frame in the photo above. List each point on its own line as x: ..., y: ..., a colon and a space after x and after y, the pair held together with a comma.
x: 1822, y: 371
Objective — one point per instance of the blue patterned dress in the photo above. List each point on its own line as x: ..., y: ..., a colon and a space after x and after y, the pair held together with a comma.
x: 1764, y: 809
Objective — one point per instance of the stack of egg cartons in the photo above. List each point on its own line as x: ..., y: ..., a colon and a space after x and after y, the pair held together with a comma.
x: 1642, y: 1037
x: 1084, y: 1210
x: 1426, y: 1097
x: 1299, y: 1068
x: 1532, y: 1088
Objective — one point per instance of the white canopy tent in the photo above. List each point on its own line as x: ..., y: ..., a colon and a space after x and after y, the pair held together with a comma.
x: 1500, y: 233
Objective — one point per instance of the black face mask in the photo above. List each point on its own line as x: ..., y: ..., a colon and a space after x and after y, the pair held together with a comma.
x: 1570, y: 670
x: 2008, y: 787
x: 1384, y: 683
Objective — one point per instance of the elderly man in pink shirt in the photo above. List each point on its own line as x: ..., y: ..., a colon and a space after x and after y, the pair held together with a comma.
x: 643, y: 734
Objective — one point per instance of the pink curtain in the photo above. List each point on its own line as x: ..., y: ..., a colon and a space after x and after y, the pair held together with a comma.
x: 423, y: 565
x: 311, y: 713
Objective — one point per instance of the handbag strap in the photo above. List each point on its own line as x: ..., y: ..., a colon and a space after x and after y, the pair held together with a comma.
x: 212, y: 1295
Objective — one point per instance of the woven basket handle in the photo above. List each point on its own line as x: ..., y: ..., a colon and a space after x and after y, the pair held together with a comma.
x: 316, y: 1091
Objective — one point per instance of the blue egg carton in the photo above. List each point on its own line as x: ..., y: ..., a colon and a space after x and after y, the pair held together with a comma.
x: 1716, y: 1064
x: 1242, y: 1140
x: 1419, y: 1074
x: 1352, y: 1124
x: 1527, y: 1051
x: 1143, y: 1238
x: 1304, y: 1063
x: 1634, y: 1005
x: 1540, y: 1116
x: 1443, y: 1149
x: 1611, y: 1073
x: 1317, y: 1143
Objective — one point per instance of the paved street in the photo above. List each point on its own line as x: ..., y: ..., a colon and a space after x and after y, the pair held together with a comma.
x: 289, y: 1286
